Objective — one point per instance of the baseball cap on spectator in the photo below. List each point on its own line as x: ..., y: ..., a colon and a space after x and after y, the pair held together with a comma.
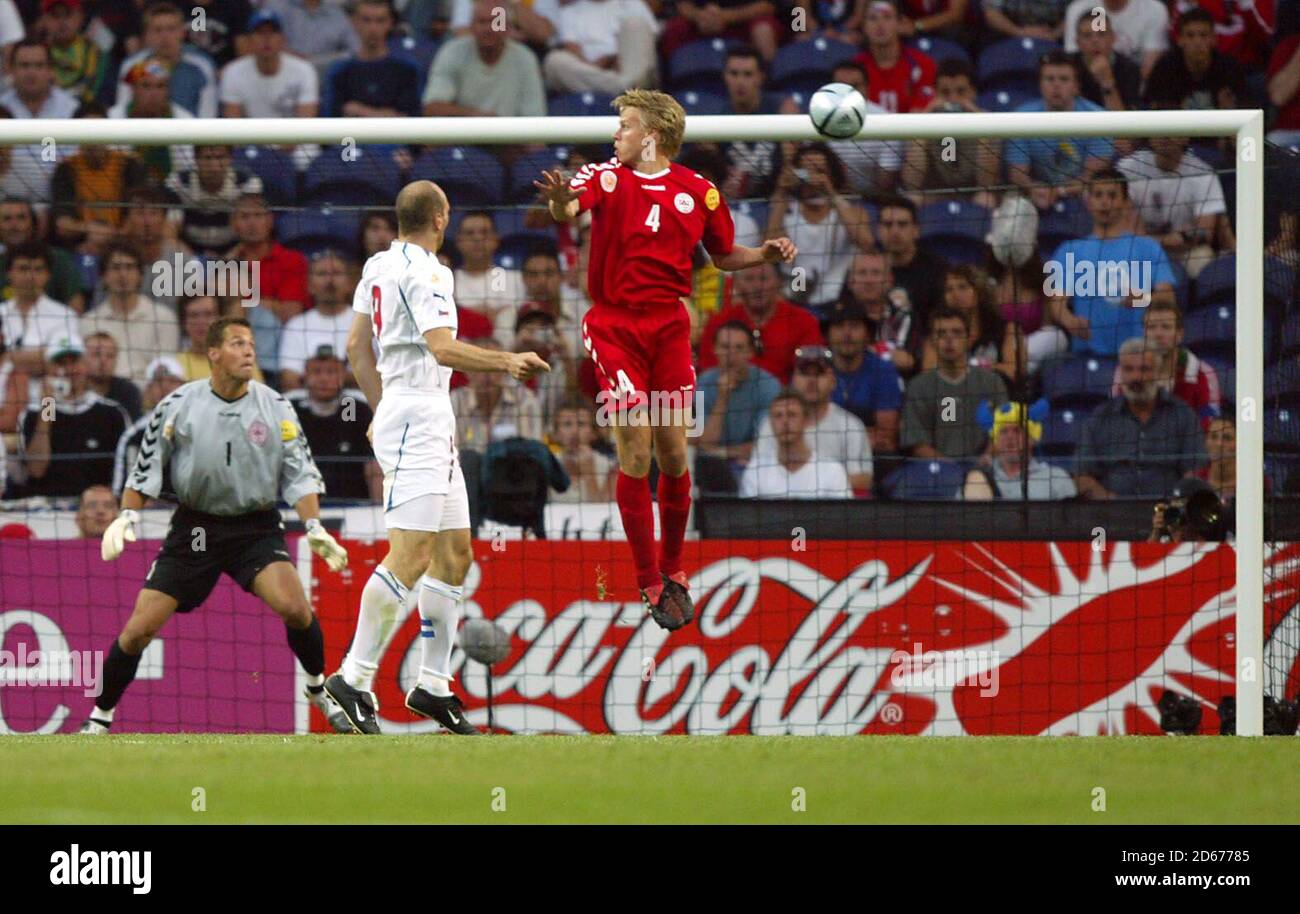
x: 167, y: 364
x: 533, y: 310
x: 47, y: 5
x: 265, y: 17
x: 64, y: 345
x: 809, y: 356
x: 843, y: 311
x: 325, y: 351
x: 150, y: 66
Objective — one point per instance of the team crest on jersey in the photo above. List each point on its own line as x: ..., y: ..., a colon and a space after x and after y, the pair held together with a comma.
x: 684, y: 202
x: 259, y: 432
x: 712, y: 198
x: 608, y: 181
x: 288, y: 430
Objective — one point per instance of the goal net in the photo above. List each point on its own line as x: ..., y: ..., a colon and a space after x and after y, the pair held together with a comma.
x: 926, y: 454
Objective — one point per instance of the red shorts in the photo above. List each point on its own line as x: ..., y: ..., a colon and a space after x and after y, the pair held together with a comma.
x: 642, y: 351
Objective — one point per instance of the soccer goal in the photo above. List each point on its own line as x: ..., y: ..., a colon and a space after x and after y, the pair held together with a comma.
x: 907, y: 612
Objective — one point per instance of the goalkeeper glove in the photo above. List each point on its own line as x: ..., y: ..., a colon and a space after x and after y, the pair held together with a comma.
x: 120, y: 532
x: 324, y: 545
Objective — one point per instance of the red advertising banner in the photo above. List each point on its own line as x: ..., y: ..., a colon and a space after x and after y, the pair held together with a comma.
x: 840, y: 637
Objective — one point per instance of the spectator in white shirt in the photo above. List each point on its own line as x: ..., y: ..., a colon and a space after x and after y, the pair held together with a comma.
x: 267, y: 82
x: 329, y: 278
x: 143, y: 329
x: 532, y: 23
x: 605, y: 46
x: 194, y: 76
x: 11, y: 32
x: 1180, y: 201
x: 31, y: 319
x: 34, y: 95
x: 796, y: 472
x: 1140, y: 27
x: 493, y: 291
x: 832, y: 432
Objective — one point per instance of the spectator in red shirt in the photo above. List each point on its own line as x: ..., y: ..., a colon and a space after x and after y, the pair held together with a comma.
x: 899, y: 79
x: 751, y: 21
x: 1284, y: 91
x: 283, y: 272
x: 1242, y: 28
x: 779, y: 327
x: 1178, y: 370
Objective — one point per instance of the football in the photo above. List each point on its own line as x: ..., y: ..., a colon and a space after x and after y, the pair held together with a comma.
x: 837, y: 110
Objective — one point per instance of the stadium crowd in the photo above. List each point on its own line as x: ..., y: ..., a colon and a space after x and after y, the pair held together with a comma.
x: 946, y: 331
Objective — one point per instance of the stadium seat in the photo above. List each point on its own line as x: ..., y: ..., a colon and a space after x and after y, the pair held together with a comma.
x: 1211, y: 331
x: 1013, y: 64
x: 371, y: 179
x: 580, y: 104
x: 1282, y: 384
x: 754, y: 209
x: 698, y: 65
x: 1062, y: 221
x: 799, y: 97
x: 702, y: 102
x: 926, y: 479
x: 529, y: 167
x: 1227, y: 374
x: 1078, y: 382
x: 275, y: 168
x: 1282, y: 430
x: 940, y: 49
x: 310, y: 231
x: 469, y: 175
x: 1291, y: 334
x: 418, y: 51
x: 1217, y: 282
x: 955, y: 230
x: 1061, y: 432
x: 1278, y: 469
x: 807, y: 65
x: 517, y: 240
x: 1002, y: 100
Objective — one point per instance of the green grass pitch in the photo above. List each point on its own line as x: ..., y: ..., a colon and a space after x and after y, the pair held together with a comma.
x: 555, y: 779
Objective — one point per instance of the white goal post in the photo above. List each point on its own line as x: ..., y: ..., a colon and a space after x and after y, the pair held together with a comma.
x: 1245, y: 126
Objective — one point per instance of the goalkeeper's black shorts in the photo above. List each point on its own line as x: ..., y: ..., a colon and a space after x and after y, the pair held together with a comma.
x: 199, y: 547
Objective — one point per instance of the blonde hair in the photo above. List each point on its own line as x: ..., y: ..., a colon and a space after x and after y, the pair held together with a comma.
x: 660, y: 113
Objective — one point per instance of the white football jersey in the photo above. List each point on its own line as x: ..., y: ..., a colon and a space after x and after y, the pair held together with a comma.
x: 407, y: 292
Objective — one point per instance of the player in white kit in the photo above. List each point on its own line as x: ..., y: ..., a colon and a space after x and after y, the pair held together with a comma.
x: 405, y: 302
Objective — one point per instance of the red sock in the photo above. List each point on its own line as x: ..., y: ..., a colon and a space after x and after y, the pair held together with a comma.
x: 674, y: 508
x: 639, y: 524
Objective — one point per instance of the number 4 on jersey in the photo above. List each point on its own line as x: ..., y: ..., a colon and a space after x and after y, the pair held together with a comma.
x: 652, y: 220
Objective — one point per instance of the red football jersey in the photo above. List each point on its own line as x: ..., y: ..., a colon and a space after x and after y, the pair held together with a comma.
x: 905, y: 87
x: 645, y: 229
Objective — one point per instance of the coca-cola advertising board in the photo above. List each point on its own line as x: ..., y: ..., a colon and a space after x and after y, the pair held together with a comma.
x: 798, y: 637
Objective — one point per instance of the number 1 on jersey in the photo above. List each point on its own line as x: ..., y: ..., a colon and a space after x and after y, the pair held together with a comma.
x: 652, y: 220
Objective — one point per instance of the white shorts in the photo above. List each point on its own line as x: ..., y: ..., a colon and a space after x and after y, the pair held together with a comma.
x: 432, y: 513
x: 415, y: 445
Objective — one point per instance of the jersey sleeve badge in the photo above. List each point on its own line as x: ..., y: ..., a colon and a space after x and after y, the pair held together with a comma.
x: 712, y: 198
x: 288, y: 430
x: 608, y: 181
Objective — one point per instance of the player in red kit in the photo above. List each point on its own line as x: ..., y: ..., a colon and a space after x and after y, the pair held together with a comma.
x: 648, y: 217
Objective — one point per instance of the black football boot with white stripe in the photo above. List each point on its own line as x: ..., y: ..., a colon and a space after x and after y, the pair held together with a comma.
x: 447, y: 710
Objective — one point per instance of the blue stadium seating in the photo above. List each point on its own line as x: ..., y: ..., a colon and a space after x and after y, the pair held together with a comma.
x: 1278, y: 469
x: 1291, y: 334
x: 580, y: 104
x: 517, y: 240
x: 807, y: 65
x: 1013, y: 64
x: 370, y: 179
x: 1078, y: 382
x: 1282, y: 430
x: 1227, y: 374
x: 1217, y: 283
x: 1282, y: 384
x: 529, y: 167
x: 926, y: 479
x: 1211, y: 331
x: 940, y: 49
x: 703, y: 102
x: 754, y: 209
x: 1063, y: 220
x: 699, y: 65
x: 275, y: 168
x: 469, y: 175
x: 1061, y: 432
x: 310, y: 231
x: 418, y: 51
x: 955, y: 230
x: 1002, y: 100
